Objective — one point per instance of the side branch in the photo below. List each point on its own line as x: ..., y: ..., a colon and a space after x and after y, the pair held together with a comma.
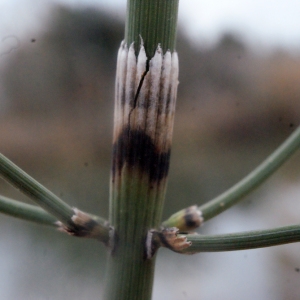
x: 26, y: 212
x: 70, y: 219
x: 254, y: 179
x: 242, y: 188
x: 242, y: 241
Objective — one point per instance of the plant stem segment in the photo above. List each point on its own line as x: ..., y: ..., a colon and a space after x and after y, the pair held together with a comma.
x: 145, y: 96
x: 154, y: 21
x: 243, y: 241
x: 26, y: 211
x: 144, y: 115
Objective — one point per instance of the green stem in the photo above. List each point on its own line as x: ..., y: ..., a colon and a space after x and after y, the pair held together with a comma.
x: 26, y: 211
x: 244, y: 240
x: 154, y: 21
x: 145, y: 99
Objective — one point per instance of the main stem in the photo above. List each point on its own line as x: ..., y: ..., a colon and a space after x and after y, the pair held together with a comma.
x: 146, y: 87
x: 155, y: 21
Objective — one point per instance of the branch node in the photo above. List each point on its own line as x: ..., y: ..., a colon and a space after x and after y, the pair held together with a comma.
x: 167, y: 237
x: 83, y: 225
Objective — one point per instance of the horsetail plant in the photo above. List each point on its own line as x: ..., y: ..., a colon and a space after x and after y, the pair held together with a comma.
x: 145, y: 98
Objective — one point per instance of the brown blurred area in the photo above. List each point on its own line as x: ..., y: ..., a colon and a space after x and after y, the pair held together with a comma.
x: 235, y: 106
x: 58, y: 89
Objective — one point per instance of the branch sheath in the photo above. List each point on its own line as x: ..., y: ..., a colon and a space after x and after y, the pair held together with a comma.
x: 242, y: 241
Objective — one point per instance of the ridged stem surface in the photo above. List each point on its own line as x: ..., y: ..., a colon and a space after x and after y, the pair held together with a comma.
x: 144, y: 115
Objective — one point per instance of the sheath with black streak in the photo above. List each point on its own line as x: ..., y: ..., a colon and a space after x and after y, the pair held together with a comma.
x: 143, y: 124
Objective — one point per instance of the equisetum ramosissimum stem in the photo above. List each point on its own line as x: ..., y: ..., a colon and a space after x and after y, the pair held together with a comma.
x: 144, y: 115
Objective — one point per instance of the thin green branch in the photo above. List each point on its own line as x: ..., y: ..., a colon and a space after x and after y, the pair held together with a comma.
x: 254, y: 179
x: 34, y: 213
x: 242, y: 241
x: 26, y: 211
x: 38, y: 193
x: 71, y: 220
x: 245, y: 186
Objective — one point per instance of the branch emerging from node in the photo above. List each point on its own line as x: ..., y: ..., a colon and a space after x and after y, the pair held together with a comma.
x: 88, y: 227
x: 242, y: 241
x: 167, y: 237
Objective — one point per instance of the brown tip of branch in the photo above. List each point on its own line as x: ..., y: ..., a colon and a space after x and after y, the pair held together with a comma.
x: 186, y: 219
x: 192, y: 218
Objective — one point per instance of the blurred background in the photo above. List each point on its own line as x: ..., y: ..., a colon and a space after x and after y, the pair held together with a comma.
x: 239, y: 98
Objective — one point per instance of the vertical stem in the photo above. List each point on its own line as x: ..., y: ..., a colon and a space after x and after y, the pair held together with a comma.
x: 153, y: 20
x: 146, y: 89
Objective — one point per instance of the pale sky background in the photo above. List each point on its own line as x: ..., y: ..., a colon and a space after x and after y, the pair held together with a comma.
x: 262, y: 24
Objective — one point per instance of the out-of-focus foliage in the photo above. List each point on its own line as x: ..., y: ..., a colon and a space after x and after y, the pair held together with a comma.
x: 235, y: 105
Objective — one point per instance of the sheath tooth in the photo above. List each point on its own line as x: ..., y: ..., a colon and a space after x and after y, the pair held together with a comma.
x: 142, y: 82
x: 120, y: 87
x: 130, y: 88
x: 164, y: 100
x: 154, y: 90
